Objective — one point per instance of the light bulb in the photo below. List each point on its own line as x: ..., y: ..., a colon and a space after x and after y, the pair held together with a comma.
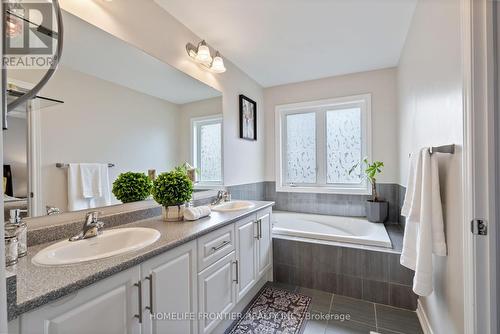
x: 218, y: 64
x: 203, y: 54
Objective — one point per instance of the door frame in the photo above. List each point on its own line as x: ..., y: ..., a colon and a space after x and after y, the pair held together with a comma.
x: 479, y: 166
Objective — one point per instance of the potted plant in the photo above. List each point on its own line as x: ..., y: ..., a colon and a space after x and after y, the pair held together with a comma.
x: 377, y: 209
x: 132, y: 187
x: 173, y: 190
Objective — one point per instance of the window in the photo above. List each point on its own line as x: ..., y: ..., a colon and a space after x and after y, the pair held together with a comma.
x: 320, y: 142
x: 207, y: 149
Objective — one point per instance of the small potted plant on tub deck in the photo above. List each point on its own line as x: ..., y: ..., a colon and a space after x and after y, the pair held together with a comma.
x: 173, y: 190
x: 377, y: 209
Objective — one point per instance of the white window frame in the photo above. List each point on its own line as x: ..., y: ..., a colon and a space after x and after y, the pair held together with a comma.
x: 195, y: 153
x: 363, y: 101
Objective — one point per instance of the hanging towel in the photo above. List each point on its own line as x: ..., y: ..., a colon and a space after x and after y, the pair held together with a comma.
x: 76, y: 199
x: 90, y: 177
x: 197, y: 212
x: 105, y: 198
x: 424, y: 229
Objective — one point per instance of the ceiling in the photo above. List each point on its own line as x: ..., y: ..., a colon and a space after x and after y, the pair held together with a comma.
x: 123, y: 64
x: 282, y: 41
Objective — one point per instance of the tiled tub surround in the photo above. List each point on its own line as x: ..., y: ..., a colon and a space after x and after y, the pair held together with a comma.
x: 370, y: 275
x: 37, y: 285
x: 326, y: 204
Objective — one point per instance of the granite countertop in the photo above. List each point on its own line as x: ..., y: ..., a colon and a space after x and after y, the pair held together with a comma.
x: 38, y: 285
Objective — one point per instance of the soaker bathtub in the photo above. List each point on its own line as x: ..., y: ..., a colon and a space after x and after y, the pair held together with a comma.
x: 330, y: 228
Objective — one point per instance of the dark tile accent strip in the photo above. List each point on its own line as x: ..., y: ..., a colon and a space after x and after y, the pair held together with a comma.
x: 402, y: 192
x: 332, y: 204
x: 250, y: 191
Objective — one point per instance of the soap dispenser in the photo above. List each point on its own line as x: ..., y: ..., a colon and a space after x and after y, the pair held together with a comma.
x: 20, y: 228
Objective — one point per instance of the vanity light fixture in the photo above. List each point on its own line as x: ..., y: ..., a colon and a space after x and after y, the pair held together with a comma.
x: 201, y: 54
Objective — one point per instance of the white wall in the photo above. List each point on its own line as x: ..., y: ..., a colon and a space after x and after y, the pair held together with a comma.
x: 15, y: 154
x: 430, y: 104
x: 191, y: 110
x: 102, y: 122
x: 148, y: 27
x: 381, y: 84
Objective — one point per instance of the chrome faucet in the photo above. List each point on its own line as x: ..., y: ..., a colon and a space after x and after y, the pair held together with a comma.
x: 222, y: 196
x: 91, y: 228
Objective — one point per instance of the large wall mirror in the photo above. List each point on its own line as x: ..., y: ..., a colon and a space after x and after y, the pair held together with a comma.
x: 120, y: 109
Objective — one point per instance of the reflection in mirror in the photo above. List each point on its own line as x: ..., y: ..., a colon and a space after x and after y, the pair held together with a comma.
x: 102, y: 115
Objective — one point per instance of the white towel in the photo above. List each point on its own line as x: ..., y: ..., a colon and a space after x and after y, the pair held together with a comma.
x: 90, y: 177
x: 195, y: 213
x: 76, y: 200
x: 105, y: 198
x: 424, y: 229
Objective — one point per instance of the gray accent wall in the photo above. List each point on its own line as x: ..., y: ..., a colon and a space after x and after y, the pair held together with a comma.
x: 328, y: 204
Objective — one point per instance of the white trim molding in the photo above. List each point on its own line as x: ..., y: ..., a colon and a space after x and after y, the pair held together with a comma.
x: 424, y: 320
x: 479, y: 167
x: 320, y: 108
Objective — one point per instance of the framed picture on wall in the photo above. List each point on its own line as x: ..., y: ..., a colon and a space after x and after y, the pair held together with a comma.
x: 248, y: 118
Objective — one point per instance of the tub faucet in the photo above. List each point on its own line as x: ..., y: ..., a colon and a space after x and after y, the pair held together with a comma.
x: 91, y: 228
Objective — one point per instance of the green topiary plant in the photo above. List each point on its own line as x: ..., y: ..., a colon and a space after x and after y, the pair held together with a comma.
x: 172, y: 188
x: 132, y: 187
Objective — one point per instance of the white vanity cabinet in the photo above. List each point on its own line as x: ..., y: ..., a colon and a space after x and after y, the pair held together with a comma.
x: 185, y: 290
x: 264, y: 241
x: 170, y: 292
x: 216, y: 292
x: 110, y: 306
x: 246, y: 253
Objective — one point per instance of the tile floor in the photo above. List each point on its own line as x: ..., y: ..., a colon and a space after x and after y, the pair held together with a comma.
x: 365, y: 317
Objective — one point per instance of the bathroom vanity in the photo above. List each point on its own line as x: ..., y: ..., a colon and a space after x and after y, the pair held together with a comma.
x: 183, y: 283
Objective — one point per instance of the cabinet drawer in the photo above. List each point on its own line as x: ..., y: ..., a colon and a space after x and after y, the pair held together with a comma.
x: 215, y: 245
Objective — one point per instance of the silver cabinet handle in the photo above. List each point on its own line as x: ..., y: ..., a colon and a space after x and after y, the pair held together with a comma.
x: 257, y: 224
x: 150, y: 307
x: 224, y: 243
x: 260, y: 228
x: 139, y: 316
x: 237, y: 279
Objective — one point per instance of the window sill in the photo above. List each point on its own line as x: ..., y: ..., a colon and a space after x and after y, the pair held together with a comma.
x: 208, y: 186
x: 324, y: 190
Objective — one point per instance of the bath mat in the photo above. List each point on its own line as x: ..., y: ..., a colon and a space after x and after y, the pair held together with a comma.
x: 273, y: 311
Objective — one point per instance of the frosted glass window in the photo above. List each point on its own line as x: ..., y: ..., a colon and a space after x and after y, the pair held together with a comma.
x: 210, y: 153
x: 320, y: 143
x: 301, y: 148
x: 207, y: 149
x: 343, y: 145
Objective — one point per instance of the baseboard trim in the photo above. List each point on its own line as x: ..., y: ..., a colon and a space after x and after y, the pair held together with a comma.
x: 424, y: 320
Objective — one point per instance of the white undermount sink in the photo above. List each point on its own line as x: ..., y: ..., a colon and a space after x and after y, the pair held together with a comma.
x: 233, y: 206
x: 109, y: 243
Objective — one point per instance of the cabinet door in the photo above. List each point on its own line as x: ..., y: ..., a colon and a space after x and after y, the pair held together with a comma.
x: 246, y: 253
x: 216, y: 292
x: 170, y: 294
x: 107, y: 307
x: 264, y: 256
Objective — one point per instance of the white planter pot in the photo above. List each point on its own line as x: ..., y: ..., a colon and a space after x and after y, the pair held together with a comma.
x: 174, y: 213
